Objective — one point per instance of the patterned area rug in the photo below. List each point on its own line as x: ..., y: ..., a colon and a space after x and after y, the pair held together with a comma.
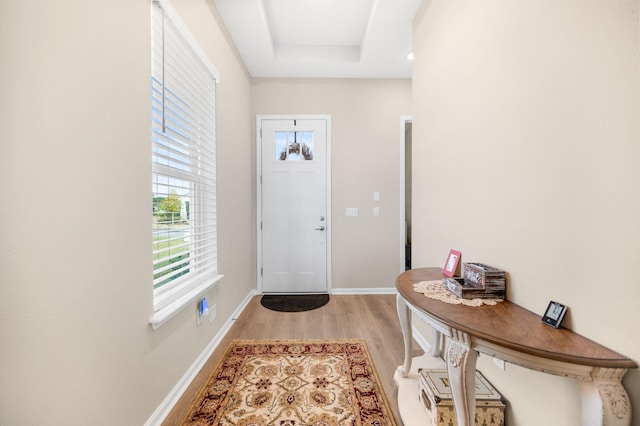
x: 293, y: 383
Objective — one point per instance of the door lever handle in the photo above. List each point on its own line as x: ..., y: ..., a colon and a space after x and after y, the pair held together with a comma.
x: 320, y: 229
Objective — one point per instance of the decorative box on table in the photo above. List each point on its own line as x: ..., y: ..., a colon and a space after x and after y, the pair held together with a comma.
x: 435, y: 395
x: 484, y: 276
x: 464, y: 290
x: 478, y: 281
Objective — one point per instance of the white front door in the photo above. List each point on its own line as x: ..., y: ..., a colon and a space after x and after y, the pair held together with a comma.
x: 294, y: 220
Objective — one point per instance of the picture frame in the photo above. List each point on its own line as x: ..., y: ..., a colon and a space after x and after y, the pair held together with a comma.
x: 554, y: 314
x: 451, y: 265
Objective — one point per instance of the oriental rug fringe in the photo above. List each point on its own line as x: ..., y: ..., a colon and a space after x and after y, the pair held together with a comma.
x: 293, y: 383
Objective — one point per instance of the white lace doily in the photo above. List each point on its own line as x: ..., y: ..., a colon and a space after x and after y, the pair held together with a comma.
x: 435, y: 290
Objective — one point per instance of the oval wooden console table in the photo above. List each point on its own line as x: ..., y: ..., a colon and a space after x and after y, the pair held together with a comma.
x: 512, y: 333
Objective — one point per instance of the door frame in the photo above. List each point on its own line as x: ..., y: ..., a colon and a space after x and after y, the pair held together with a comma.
x: 259, y: 119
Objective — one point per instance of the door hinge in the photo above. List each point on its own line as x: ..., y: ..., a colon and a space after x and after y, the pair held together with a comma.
x: 260, y: 271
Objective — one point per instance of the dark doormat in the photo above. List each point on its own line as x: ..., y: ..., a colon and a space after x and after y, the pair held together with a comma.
x: 294, y: 302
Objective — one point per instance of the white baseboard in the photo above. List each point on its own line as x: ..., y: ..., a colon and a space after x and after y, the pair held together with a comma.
x: 172, y: 398
x: 381, y: 290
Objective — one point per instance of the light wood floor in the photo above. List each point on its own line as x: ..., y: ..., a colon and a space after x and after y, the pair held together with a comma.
x: 371, y: 317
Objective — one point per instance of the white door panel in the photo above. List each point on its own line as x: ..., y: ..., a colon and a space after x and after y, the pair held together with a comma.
x: 294, y: 205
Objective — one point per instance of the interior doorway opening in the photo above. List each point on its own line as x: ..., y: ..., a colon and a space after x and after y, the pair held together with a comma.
x: 406, y: 128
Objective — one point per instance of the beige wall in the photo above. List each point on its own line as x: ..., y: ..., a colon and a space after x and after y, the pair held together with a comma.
x: 525, y: 142
x: 526, y: 148
x: 365, y: 157
x: 75, y: 253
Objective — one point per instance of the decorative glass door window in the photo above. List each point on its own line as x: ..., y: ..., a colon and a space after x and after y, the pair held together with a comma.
x: 294, y: 146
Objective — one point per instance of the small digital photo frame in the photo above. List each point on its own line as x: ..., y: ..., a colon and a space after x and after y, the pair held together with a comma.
x: 554, y: 314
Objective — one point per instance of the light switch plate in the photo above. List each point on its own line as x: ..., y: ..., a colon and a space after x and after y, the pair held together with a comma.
x: 376, y: 196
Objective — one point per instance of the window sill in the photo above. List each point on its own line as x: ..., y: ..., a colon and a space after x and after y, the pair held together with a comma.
x: 166, y: 313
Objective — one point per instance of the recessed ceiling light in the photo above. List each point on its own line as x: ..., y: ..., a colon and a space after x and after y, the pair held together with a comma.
x: 410, y: 56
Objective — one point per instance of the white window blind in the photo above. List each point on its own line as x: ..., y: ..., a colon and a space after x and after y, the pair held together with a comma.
x: 184, y: 161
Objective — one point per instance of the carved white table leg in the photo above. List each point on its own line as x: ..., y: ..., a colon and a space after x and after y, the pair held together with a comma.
x: 404, y: 314
x: 461, y: 368
x: 604, y: 399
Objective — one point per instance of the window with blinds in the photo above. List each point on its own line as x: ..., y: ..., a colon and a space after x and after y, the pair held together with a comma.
x: 183, y: 87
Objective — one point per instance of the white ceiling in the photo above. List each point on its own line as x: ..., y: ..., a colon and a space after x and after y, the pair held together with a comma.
x: 322, y: 38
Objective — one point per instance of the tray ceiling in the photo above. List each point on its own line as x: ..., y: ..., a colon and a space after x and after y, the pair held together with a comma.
x: 322, y: 38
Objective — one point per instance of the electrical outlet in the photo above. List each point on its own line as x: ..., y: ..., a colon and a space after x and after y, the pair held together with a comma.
x: 500, y: 363
x: 212, y: 313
